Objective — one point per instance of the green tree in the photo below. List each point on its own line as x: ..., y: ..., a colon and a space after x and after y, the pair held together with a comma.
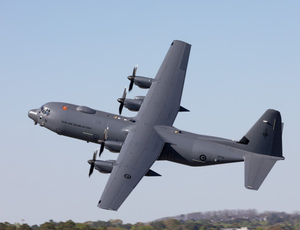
x: 191, y: 226
x: 157, y: 225
x: 47, y: 226
x: 8, y: 226
x: 24, y: 227
x: 84, y: 226
x: 141, y: 227
x: 278, y: 227
x: 69, y: 225
x: 171, y: 223
x: 102, y: 228
x: 2, y: 226
x: 116, y: 222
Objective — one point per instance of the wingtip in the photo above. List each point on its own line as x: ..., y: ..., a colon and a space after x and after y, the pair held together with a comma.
x: 251, y: 187
x: 103, y: 207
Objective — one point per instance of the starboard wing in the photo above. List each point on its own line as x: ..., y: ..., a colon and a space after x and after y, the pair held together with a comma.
x: 162, y: 101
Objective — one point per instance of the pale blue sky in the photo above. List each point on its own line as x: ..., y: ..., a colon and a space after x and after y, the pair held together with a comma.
x: 244, y: 60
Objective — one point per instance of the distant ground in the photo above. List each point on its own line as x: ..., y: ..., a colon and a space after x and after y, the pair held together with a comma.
x: 232, y: 219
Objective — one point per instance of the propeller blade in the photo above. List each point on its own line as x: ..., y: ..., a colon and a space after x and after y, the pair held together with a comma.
x: 92, y: 162
x: 121, y: 108
x: 131, y: 78
x: 124, y: 93
x: 102, y: 143
x: 131, y: 85
x: 95, y: 155
x: 101, y: 148
x: 91, y: 168
x: 121, y: 101
x: 106, y: 133
x: 134, y: 70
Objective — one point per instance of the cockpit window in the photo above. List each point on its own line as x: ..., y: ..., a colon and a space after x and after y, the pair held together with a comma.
x: 45, y: 110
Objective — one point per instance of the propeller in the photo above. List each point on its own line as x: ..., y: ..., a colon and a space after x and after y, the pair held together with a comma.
x: 92, y: 162
x: 122, y: 100
x: 102, y: 142
x: 131, y: 78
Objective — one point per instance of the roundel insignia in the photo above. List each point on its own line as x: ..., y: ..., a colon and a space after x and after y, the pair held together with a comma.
x: 202, y: 157
x: 127, y: 176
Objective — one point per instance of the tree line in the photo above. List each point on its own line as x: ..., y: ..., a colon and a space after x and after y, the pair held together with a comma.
x: 193, y: 221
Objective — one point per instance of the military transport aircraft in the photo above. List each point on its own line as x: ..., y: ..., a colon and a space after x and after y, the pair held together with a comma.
x: 151, y: 136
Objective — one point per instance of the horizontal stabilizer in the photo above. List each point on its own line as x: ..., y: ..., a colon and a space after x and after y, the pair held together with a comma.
x: 257, y: 167
x: 182, y: 109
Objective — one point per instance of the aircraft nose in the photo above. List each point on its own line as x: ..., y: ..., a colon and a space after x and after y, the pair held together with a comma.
x: 33, y: 115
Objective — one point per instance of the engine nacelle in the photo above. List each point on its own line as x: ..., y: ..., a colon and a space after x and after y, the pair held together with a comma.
x: 113, y: 146
x: 139, y: 98
x: 133, y: 104
x: 143, y: 82
x: 107, y: 166
x: 104, y: 166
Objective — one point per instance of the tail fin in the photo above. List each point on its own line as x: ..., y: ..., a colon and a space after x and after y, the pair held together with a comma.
x: 265, y: 135
x: 264, y: 146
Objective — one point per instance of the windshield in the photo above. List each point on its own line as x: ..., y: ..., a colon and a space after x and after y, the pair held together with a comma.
x: 45, y: 110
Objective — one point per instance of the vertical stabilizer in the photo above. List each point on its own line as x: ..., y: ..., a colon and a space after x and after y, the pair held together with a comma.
x: 263, y: 143
x: 265, y: 135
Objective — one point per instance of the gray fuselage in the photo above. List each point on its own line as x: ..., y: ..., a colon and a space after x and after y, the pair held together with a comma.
x: 87, y: 124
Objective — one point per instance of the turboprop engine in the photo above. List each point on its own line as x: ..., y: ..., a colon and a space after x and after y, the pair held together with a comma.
x: 113, y: 146
x: 142, y: 82
x: 107, y: 166
x: 104, y: 166
x: 131, y: 104
x: 135, y: 104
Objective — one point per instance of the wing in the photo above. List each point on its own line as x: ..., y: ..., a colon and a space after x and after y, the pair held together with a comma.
x: 162, y: 101
x: 143, y: 145
x: 140, y: 150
